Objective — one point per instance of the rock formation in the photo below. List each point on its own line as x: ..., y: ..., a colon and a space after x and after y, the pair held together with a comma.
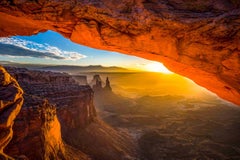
x: 108, y: 86
x: 38, y: 125
x: 11, y: 101
x: 197, y: 39
x: 71, y: 99
x: 96, y: 81
x: 50, y: 132
x: 97, y: 85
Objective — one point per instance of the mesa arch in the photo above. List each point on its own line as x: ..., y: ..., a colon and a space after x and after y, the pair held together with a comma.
x: 197, y: 39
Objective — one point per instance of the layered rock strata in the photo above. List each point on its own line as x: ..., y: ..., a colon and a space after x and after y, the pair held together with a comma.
x: 197, y: 39
x: 72, y: 100
x: 37, y: 134
x: 11, y: 100
x: 37, y: 125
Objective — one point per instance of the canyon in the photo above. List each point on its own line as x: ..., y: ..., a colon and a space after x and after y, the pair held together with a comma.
x: 62, y: 117
x: 170, y: 126
x: 197, y: 39
x: 59, y: 119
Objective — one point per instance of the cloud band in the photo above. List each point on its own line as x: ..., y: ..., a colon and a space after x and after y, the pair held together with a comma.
x: 19, y: 47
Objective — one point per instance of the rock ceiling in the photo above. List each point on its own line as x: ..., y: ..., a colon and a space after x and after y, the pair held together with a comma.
x: 197, y: 39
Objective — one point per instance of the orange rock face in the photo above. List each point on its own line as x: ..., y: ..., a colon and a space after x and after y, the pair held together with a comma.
x: 197, y: 39
x: 11, y: 101
x: 38, y: 126
x: 66, y: 130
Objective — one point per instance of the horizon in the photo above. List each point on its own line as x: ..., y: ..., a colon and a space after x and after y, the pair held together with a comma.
x: 51, y: 48
x: 68, y: 65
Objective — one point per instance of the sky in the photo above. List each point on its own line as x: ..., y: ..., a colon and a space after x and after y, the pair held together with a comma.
x: 52, y: 48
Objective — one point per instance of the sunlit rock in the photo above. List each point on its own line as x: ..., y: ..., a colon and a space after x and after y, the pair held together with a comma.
x: 11, y: 101
x: 73, y: 119
x: 38, y: 125
x: 197, y: 39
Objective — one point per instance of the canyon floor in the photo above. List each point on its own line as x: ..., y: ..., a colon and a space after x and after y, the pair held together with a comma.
x: 171, y: 126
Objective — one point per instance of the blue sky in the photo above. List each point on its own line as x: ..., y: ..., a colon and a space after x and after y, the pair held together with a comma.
x: 59, y: 50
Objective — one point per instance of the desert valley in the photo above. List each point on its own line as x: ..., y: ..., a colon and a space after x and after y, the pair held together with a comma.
x: 119, y: 115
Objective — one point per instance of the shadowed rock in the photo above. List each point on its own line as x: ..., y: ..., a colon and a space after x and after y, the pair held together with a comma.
x: 108, y: 86
x: 97, y: 85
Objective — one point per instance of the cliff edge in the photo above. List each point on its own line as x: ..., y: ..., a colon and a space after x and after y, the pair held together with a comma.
x: 69, y: 129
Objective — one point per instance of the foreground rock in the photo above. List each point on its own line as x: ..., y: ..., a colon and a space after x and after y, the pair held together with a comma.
x: 11, y: 101
x: 197, y: 39
x: 37, y: 134
x: 83, y: 132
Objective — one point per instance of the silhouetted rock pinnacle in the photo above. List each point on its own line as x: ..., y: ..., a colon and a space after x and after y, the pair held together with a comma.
x: 107, y: 86
x: 97, y: 84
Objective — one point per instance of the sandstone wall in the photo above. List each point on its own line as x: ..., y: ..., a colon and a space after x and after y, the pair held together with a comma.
x: 197, y: 39
x: 40, y: 126
x: 37, y: 133
x: 11, y: 100
x: 79, y: 130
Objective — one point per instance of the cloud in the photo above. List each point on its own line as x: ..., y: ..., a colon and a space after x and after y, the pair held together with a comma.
x: 19, y: 47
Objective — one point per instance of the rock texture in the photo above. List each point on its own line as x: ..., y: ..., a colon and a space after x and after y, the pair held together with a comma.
x: 37, y: 125
x: 102, y: 142
x: 11, y: 101
x: 97, y: 85
x: 197, y: 39
x: 73, y: 101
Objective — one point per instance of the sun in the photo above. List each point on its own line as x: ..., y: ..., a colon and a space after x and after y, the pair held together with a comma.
x: 157, y: 67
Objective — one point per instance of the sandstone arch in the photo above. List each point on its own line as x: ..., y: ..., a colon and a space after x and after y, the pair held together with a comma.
x: 197, y: 39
